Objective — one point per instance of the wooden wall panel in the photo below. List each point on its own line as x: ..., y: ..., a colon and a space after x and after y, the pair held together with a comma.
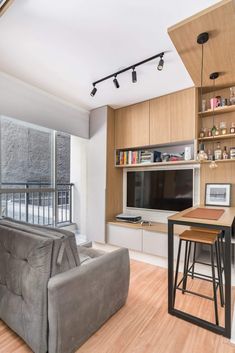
x: 225, y: 173
x: 114, y: 176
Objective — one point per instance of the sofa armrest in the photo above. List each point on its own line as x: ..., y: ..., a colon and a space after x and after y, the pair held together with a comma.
x: 82, y: 299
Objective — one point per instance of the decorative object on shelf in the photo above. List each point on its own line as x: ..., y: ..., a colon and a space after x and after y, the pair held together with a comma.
x: 209, y: 133
x: 232, y: 153
x: 133, y: 74
x: 223, y: 128
x: 202, y: 133
x: 225, y: 153
x: 232, y: 95
x: 218, y: 194
x: 203, y: 105
x: 232, y: 128
x: 218, y: 152
x: 202, y: 155
x: 214, y: 102
x: 214, y: 130
x: 187, y: 153
x: 157, y: 156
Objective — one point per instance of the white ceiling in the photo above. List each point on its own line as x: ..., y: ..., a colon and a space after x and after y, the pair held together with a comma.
x: 63, y: 46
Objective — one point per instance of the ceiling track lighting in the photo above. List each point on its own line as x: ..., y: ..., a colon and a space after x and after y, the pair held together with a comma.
x: 115, y: 81
x: 94, y: 90
x: 134, y: 73
x: 161, y: 63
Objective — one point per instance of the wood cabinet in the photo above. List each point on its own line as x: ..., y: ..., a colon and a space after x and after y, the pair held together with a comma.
x: 183, y: 115
x: 160, y: 117
x: 132, y: 126
x: 166, y: 119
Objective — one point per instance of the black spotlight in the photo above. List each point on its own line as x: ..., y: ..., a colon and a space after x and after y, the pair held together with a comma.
x: 93, y: 92
x: 161, y: 63
x: 115, y: 81
x: 134, y: 76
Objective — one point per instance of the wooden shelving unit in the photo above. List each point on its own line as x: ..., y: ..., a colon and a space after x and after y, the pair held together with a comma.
x: 216, y: 138
x: 157, y: 164
x: 219, y: 110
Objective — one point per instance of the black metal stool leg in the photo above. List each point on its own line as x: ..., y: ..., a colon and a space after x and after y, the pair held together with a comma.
x: 177, y: 271
x: 219, y: 270
x: 187, y: 266
x: 194, y: 258
x: 214, y: 286
x: 222, y: 250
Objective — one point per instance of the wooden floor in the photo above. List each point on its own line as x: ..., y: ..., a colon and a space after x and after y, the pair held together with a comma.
x: 143, y: 325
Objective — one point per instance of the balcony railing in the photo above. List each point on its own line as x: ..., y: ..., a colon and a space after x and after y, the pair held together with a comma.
x: 37, y: 203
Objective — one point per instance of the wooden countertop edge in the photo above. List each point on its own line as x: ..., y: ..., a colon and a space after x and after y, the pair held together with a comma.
x: 154, y: 227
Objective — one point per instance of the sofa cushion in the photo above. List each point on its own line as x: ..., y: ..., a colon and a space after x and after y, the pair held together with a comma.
x: 25, y: 269
x: 64, y: 256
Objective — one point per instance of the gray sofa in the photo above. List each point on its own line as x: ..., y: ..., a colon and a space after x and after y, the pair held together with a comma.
x: 53, y: 294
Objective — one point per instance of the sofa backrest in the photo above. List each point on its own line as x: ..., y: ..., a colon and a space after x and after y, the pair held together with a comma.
x: 64, y: 256
x: 25, y: 269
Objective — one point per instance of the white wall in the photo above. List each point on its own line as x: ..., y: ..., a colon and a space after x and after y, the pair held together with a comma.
x: 96, y: 179
x: 22, y: 101
x: 78, y: 172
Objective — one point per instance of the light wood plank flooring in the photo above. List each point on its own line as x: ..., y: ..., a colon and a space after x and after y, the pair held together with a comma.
x: 143, y: 325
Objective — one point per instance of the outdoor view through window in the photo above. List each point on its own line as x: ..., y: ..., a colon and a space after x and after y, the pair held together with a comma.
x: 34, y: 173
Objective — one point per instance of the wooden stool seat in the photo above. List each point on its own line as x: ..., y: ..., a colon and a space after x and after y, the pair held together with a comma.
x: 199, y: 237
x: 214, y: 231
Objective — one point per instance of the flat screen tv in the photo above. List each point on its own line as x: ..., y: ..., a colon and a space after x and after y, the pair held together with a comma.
x: 170, y: 190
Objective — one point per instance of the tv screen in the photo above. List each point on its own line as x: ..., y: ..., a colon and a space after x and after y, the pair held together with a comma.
x: 170, y: 190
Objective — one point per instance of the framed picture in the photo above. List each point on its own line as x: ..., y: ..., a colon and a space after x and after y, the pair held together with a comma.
x: 218, y: 194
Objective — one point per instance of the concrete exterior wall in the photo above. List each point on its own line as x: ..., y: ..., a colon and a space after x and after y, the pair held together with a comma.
x: 26, y: 154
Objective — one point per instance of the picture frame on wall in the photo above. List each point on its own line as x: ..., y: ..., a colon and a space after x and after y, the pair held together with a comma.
x: 218, y: 194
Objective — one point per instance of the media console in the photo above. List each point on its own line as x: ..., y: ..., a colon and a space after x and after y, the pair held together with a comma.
x: 150, y: 239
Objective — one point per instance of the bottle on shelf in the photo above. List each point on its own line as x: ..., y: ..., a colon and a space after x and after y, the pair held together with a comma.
x: 223, y: 128
x: 202, y: 155
x: 225, y: 153
x: 215, y: 131
x: 218, y: 152
x: 209, y: 154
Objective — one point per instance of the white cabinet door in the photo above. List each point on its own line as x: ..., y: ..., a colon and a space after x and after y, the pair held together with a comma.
x: 157, y: 244
x: 125, y: 237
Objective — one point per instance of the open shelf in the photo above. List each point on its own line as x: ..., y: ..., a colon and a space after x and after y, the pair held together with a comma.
x: 218, y: 137
x: 219, y: 110
x: 156, y: 164
x: 229, y: 160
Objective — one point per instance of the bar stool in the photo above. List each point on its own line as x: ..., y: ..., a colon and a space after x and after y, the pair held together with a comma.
x: 210, y: 238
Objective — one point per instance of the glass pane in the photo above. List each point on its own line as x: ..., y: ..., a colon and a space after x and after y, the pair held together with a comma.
x: 26, y: 154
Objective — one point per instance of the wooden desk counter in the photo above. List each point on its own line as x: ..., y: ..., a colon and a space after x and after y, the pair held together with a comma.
x: 226, y: 220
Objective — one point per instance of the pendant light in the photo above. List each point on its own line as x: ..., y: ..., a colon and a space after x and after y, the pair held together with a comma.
x: 213, y: 163
x: 202, y: 38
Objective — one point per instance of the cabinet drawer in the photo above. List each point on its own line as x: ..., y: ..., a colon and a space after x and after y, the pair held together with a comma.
x: 157, y: 244
x: 125, y: 237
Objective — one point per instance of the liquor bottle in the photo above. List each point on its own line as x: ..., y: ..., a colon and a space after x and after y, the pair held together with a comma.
x: 225, y: 153
x: 218, y: 152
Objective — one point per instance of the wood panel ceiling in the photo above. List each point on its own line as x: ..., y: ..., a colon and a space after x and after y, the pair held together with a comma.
x: 219, y: 51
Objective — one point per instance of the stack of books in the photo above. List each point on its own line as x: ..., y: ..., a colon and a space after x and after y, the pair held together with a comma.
x: 127, y: 157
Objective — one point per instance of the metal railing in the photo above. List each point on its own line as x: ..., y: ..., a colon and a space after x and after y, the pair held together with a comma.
x: 37, y: 203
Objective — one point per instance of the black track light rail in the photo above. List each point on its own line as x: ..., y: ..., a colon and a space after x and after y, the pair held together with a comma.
x: 115, y: 74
